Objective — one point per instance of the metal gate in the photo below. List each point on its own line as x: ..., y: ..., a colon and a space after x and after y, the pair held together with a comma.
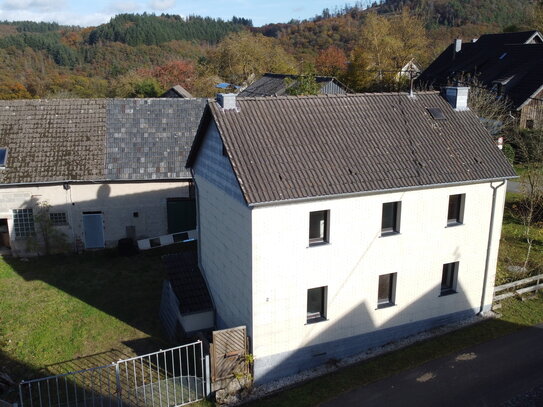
x: 168, y: 378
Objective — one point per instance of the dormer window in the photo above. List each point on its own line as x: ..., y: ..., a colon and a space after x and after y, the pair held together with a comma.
x: 3, y: 157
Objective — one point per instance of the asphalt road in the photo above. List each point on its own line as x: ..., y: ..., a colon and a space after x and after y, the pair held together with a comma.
x: 506, y: 372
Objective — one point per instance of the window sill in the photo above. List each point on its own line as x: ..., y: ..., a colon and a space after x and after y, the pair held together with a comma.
x: 453, y: 225
x: 316, y: 321
x: 387, y: 305
x: 315, y: 244
x: 447, y: 293
x: 387, y: 234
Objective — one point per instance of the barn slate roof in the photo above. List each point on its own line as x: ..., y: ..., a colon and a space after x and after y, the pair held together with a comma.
x: 288, y: 148
x: 272, y: 84
x: 493, y: 58
x: 187, y: 282
x: 97, y: 139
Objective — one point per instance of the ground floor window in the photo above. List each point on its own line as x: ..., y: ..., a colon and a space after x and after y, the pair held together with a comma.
x: 449, y: 278
x: 386, y: 290
x: 316, y: 304
x: 23, y: 223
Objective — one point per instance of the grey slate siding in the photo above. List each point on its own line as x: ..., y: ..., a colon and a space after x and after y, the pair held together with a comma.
x: 215, y: 167
x: 150, y: 138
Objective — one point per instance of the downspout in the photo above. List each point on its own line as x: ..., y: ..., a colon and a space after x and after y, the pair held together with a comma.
x: 489, y: 245
x: 197, y: 197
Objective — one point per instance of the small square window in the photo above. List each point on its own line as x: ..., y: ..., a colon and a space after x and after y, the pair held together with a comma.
x: 390, y: 222
x: 58, y: 218
x: 529, y: 124
x: 455, y: 215
x: 386, y: 290
x: 449, y: 278
x: 318, y: 227
x: 316, y: 304
x: 3, y: 157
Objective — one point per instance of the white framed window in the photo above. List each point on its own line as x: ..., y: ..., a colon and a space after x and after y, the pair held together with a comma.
x: 23, y: 223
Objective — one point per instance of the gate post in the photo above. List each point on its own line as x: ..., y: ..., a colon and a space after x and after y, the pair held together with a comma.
x: 119, y: 388
x: 208, y: 376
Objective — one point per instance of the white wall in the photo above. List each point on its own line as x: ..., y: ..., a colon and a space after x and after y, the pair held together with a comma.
x: 284, y: 266
x: 117, y: 201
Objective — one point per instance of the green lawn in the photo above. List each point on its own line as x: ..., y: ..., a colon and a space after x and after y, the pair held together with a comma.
x: 55, y: 309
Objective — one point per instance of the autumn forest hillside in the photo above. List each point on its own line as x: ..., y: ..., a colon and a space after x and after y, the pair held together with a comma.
x: 139, y: 55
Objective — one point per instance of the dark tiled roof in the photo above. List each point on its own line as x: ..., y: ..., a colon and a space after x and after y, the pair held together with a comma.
x: 298, y: 147
x: 97, y: 139
x: 53, y: 140
x: 492, y: 58
x: 187, y: 282
x: 150, y: 138
x: 271, y: 84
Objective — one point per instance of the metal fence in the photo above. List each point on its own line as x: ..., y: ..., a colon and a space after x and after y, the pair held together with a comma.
x: 168, y: 378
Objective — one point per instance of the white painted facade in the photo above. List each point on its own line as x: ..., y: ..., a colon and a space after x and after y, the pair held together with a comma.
x: 138, y: 204
x: 258, y: 264
x: 284, y: 266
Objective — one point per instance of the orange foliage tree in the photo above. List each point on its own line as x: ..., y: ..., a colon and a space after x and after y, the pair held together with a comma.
x: 172, y: 73
x: 331, y: 62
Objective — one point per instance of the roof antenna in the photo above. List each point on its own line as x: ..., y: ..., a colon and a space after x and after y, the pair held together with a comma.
x: 411, y: 81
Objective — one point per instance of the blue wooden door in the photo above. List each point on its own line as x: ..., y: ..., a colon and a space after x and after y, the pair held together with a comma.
x: 93, y: 226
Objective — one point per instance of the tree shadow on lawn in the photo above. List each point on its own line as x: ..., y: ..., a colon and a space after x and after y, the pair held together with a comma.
x: 127, y: 288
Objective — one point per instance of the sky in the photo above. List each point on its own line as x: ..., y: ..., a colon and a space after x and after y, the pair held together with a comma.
x: 90, y: 13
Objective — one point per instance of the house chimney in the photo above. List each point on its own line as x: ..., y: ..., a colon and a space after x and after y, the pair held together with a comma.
x: 227, y: 101
x: 457, y: 96
x: 457, y: 45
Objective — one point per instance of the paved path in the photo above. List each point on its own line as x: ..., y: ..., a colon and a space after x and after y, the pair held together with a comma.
x: 507, y: 372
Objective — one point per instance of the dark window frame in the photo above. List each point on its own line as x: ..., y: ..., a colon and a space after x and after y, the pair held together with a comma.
x: 315, y: 311
x: 391, y: 227
x: 324, y: 236
x: 455, y: 210
x: 386, y: 290
x: 3, y: 163
x: 449, y: 279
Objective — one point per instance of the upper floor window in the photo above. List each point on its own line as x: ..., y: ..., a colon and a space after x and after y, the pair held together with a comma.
x: 3, y: 157
x: 455, y: 215
x: 318, y: 227
x: 390, y: 222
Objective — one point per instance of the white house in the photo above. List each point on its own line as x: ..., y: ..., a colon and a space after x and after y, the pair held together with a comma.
x: 332, y: 224
x: 109, y: 168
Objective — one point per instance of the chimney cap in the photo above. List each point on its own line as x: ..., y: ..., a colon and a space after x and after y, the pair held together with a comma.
x: 227, y: 101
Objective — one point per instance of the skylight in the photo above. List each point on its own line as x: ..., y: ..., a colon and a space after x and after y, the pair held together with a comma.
x: 3, y: 156
x: 436, y: 113
x: 503, y: 55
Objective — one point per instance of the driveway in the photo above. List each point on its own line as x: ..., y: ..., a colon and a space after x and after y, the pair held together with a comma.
x: 506, y: 372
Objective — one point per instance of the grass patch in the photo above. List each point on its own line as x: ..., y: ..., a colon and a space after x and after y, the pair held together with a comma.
x: 516, y: 315
x: 513, y: 246
x: 96, y: 306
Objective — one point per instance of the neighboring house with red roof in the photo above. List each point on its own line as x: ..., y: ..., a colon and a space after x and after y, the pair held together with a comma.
x: 336, y: 223
x: 510, y: 64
